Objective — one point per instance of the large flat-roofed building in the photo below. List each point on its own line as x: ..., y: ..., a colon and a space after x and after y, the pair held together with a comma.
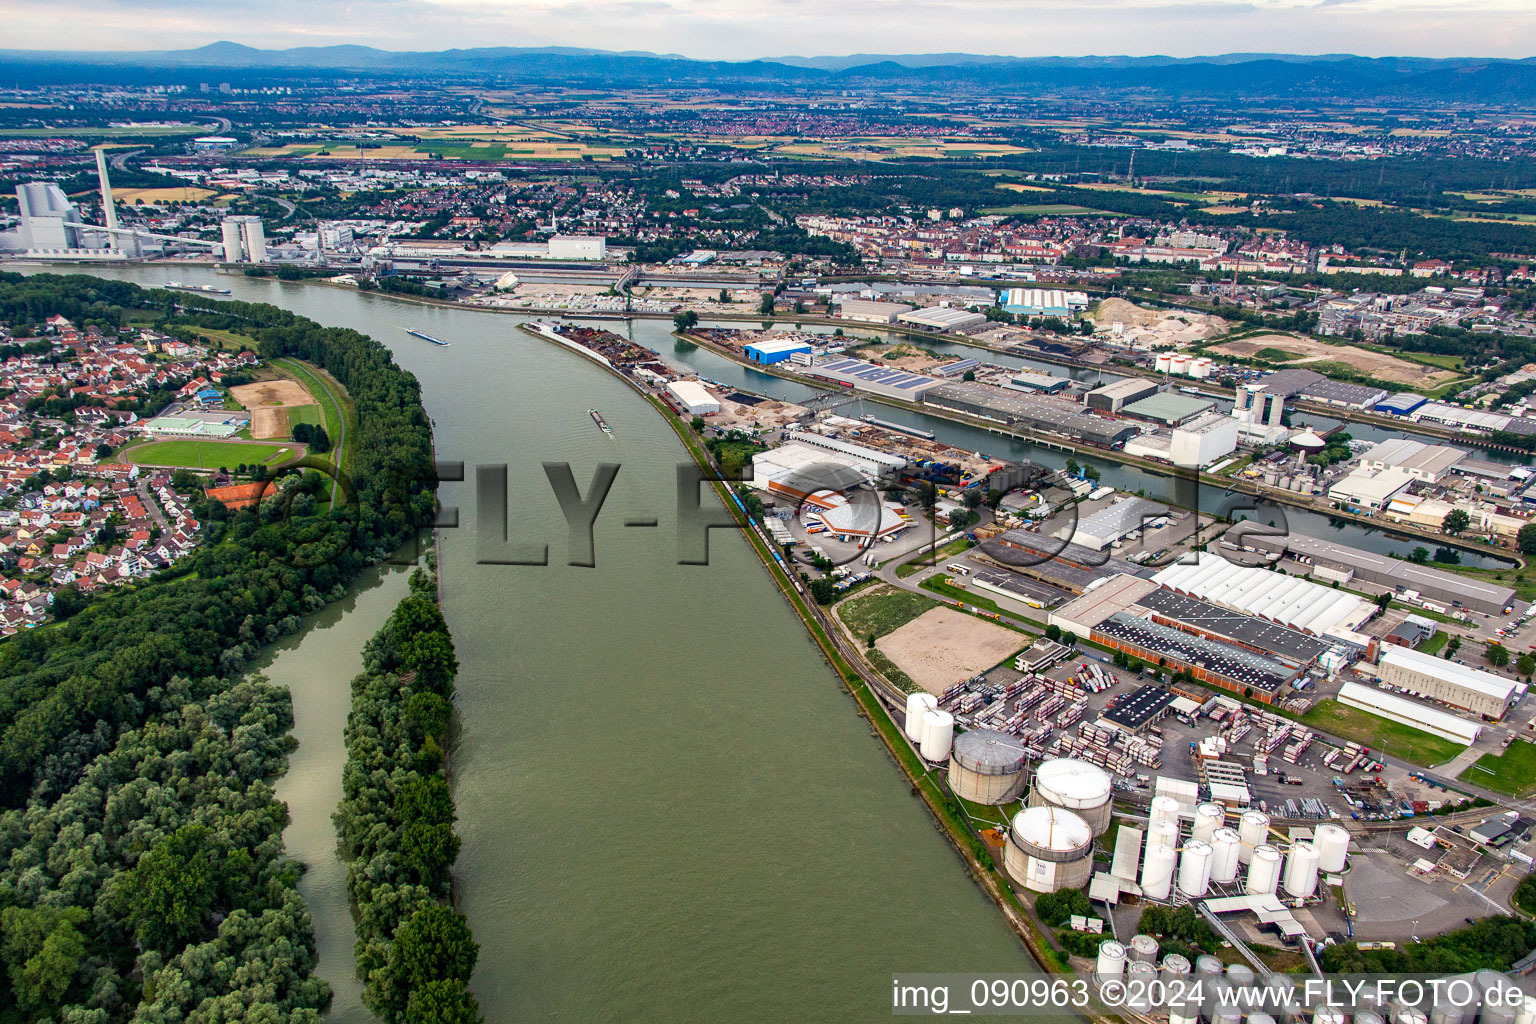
x: 1111, y: 398
x: 798, y: 469
x: 943, y: 318
x: 775, y: 350
x: 1043, y: 301
x: 1413, y: 713
x: 1032, y: 412
x: 1340, y: 393
x: 1459, y: 686
x: 693, y: 398
x: 1371, y: 488
x: 1112, y: 523
x: 1434, y: 584
x: 1297, y: 603
x: 885, y: 381
x: 1139, y: 710
x: 1427, y: 462
x: 1168, y: 408
x: 1170, y: 608
x: 1066, y: 566
x: 209, y: 425
x: 1203, y: 440
x: 867, y: 311
x: 1223, y: 665
x: 1037, y: 382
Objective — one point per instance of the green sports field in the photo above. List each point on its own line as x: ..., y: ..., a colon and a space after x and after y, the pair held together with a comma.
x: 208, y: 454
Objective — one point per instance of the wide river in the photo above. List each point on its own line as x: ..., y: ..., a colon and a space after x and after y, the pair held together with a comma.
x: 670, y: 810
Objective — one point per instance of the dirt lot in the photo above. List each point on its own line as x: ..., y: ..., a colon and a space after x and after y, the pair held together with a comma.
x: 1377, y: 364
x: 943, y: 646
x: 269, y: 402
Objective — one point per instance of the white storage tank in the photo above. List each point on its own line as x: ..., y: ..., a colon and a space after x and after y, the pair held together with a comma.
x: 1264, y: 871
x: 1201, y: 367
x: 1407, y: 1015
x: 1253, y: 829
x: 1497, y: 995
x: 987, y: 767
x: 918, y: 705
x: 1165, y: 808
x: 1208, y: 818
x: 1077, y: 786
x: 1049, y: 849
x: 1139, y: 988
x: 1163, y: 833
x: 1225, y: 844
x: 1328, y: 1017
x: 1157, y: 871
x: 1143, y: 949
x: 1111, y: 961
x: 1195, y: 868
x: 1332, y: 842
x: 938, y: 731
x: 1301, y: 870
x: 1164, y: 361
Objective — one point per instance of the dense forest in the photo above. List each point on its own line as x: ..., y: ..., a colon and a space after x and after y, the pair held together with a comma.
x: 414, y: 952
x: 1494, y: 943
x: 144, y: 877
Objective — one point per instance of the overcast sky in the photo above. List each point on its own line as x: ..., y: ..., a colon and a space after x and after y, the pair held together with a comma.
x: 740, y: 29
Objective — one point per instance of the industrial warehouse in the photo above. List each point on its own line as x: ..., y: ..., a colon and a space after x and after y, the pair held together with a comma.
x: 1051, y: 416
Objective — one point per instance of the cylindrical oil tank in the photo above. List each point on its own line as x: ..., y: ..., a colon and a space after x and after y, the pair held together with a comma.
x: 1049, y: 849
x: 1195, y: 868
x: 1260, y: 1018
x: 1208, y: 818
x: 1280, y: 996
x: 1367, y: 1017
x: 1177, y: 999
x: 1176, y: 965
x: 1165, y: 808
x: 1225, y: 845
x: 918, y: 705
x: 1332, y: 842
x: 1143, y: 949
x: 1077, y: 786
x: 1180, y: 364
x: 1223, y: 1014
x: 986, y: 766
x: 1164, y: 360
x: 1252, y: 829
x: 1328, y: 1017
x: 1111, y: 961
x: 1402, y: 1014
x: 1301, y: 870
x: 1525, y: 1013
x: 1497, y: 999
x: 1162, y: 833
x: 1157, y: 871
x: 1264, y: 871
x: 1447, y: 1011
x: 1139, y: 990
x: 938, y: 731
x: 1241, y: 975
x: 1208, y: 968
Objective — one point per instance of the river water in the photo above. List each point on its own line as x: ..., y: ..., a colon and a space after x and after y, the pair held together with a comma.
x: 670, y: 810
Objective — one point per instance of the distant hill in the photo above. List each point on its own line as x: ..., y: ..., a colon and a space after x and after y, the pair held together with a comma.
x: 1247, y: 75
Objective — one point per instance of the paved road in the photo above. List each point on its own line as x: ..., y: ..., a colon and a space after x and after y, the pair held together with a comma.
x: 152, y: 505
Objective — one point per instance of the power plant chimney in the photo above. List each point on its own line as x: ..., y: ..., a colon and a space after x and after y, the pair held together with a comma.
x: 108, y: 208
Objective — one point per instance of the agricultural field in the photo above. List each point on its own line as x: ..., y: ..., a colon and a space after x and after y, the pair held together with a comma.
x: 1043, y: 210
x: 276, y: 406
x: 208, y: 454
x: 156, y: 196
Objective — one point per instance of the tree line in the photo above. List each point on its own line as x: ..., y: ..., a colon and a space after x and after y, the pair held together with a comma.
x: 415, y: 953
x: 143, y: 876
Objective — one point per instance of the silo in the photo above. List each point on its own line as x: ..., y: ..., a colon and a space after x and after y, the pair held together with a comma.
x: 1264, y: 871
x: 1260, y: 1018
x: 1049, y: 849
x: 1225, y: 844
x: 1111, y: 961
x: 1143, y: 949
x: 1208, y: 818
x: 1157, y: 872
x: 1402, y: 1014
x: 1367, y: 1017
x: 1201, y: 367
x: 1525, y: 1013
x: 1332, y: 842
x: 1225, y: 1014
x: 1164, y: 361
x: 1280, y: 997
x: 1497, y: 995
x: 1163, y: 833
x: 1077, y: 786
x: 1195, y: 868
x: 1138, y: 990
x: 1175, y: 965
x: 1252, y: 829
x: 1165, y: 808
x: 1328, y: 1017
x: 1301, y: 870
x: 1208, y: 969
x: 1454, y: 1005
x: 1241, y: 975
x: 1179, y: 365
x: 986, y: 766
x: 938, y: 731
x: 918, y: 705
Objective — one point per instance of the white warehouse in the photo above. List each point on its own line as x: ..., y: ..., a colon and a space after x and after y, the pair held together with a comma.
x: 1460, y: 686
x: 1288, y: 600
x: 1412, y: 713
x: 693, y: 398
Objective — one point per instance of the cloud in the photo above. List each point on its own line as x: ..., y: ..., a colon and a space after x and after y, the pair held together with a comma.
x: 745, y: 29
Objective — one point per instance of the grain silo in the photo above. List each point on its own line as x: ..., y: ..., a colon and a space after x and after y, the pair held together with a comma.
x: 1208, y: 818
x: 938, y: 731
x: 1264, y: 871
x: 1253, y: 830
x: 1049, y: 849
x: 1077, y: 786
x: 1301, y: 870
x: 987, y: 767
x: 918, y: 705
x: 1332, y: 843
x: 1225, y: 844
x: 1157, y: 871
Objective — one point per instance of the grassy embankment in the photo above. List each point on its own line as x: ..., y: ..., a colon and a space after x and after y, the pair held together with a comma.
x: 1381, y: 735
